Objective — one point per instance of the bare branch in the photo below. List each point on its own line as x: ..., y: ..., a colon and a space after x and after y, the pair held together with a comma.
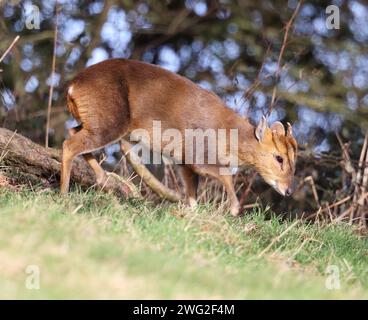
x: 283, y: 47
x: 10, y: 47
x: 51, y: 91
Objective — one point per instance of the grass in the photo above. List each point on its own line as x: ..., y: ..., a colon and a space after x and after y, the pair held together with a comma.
x: 93, y: 245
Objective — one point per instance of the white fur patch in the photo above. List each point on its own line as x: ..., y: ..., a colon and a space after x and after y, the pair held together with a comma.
x: 234, y: 170
x: 70, y: 90
x: 193, y: 203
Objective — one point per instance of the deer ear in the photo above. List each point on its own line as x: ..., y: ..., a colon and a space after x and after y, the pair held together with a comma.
x: 261, y: 129
x: 278, y: 127
x: 289, y: 130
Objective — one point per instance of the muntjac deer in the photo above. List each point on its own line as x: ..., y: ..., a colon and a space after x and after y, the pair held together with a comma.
x: 114, y: 98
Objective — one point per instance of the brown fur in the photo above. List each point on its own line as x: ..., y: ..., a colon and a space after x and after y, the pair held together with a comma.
x: 115, y: 97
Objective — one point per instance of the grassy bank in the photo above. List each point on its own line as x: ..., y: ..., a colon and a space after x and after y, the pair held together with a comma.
x: 92, y: 245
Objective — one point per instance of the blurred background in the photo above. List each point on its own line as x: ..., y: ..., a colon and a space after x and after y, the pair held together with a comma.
x: 229, y: 47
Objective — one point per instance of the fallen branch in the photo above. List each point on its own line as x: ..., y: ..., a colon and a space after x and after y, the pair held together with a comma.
x: 23, y: 160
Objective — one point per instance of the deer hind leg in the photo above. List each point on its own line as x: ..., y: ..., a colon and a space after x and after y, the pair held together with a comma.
x: 190, y: 182
x: 91, y: 160
x: 80, y: 142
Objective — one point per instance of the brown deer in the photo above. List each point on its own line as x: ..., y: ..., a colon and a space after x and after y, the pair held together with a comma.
x: 113, y: 98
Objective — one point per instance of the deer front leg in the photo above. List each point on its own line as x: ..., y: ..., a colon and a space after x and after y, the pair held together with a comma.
x: 229, y: 186
x: 227, y: 181
x: 190, y: 182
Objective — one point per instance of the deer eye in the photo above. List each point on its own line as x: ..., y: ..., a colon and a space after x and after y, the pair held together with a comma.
x: 279, y: 159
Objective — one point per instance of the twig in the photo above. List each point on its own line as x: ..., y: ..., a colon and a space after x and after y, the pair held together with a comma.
x: 338, y: 203
x: 249, y: 92
x: 363, y: 186
x: 314, y: 190
x: 51, y: 91
x: 251, y: 205
x: 361, y: 175
x: 10, y: 47
x: 276, y: 239
x: 283, y: 47
x: 361, y: 161
x: 346, y: 157
x: 343, y: 215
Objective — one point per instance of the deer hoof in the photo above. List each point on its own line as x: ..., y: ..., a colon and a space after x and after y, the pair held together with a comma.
x: 235, y: 211
x: 101, y: 179
x: 193, y: 203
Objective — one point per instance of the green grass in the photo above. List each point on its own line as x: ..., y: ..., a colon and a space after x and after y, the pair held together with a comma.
x: 93, y: 245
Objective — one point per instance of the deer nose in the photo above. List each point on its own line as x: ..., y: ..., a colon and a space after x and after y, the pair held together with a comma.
x: 289, y: 191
